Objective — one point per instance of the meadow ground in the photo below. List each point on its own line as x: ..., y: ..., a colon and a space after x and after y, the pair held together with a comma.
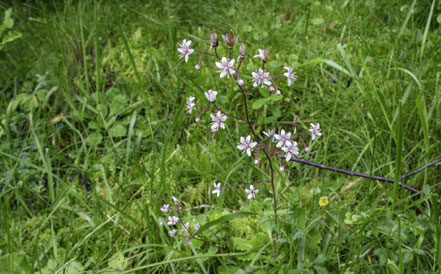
x: 94, y: 137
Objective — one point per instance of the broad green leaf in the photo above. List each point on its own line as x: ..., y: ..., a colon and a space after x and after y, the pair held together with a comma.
x: 118, y: 130
x: 11, y: 36
x: 223, y: 219
x: 241, y: 244
x: 259, y: 103
x: 94, y: 139
x: 275, y: 64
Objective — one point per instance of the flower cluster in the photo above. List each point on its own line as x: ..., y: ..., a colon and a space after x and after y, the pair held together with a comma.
x: 286, y: 142
x: 174, y: 222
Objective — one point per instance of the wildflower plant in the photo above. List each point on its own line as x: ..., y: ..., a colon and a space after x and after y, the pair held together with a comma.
x: 274, y: 145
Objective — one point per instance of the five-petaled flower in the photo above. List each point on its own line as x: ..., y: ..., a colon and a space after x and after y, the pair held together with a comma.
x: 172, y: 220
x: 251, y: 192
x: 260, y: 78
x: 184, y: 49
x: 165, y: 208
x: 323, y: 201
x: 225, y: 67
x: 283, y: 138
x: 246, y: 145
x: 190, y: 104
x: 291, y: 75
x: 315, y: 130
x: 211, y: 95
x: 217, y: 189
x: 269, y: 133
x: 263, y: 54
x: 218, y: 121
x: 291, y: 149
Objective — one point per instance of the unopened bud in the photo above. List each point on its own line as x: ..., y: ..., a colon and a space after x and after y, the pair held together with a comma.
x: 229, y: 38
x: 296, y: 119
x: 197, y: 67
x: 306, y: 149
x: 240, y: 82
x: 278, y: 92
x: 214, y: 41
x: 271, y: 89
x: 197, y: 120
x: 242, y: 50
x: 265, y: 54
x: 282, y: 169
x: 256, y: 162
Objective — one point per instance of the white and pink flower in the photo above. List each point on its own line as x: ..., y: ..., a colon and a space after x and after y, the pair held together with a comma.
x: 246, y: 145
x: 226, y: 67
x: 251, y: 192
x: 291, y: 75
x: 218, y: 121
x: 290, y: 150
x: 185, y: 50
x: 315, y: 130
x: 260, y: 78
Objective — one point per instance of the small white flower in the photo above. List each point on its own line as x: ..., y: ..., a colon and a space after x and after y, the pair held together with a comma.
x: 263, y: 54
x: 175, y: 200
x: 185, y: 228
x: 282, y: 169
x: 218, y: 121
x: 225, y: 67
x: 172, y: 232
x: 283, y: 138
x: 290, y: 75
x: 315, y: 130
x: 190, y: 104
x: 246, y: 145
x: 184, y: 49
x: 217, y: 189
x: 165, y: 208
x: 261, y: 78
x: 197, y: 226
x: 290, y: 150
x: 251, y: 192
x: 161, y: 223
x: 211, y: 95
x: 269, y: 133
x: 172, y: 220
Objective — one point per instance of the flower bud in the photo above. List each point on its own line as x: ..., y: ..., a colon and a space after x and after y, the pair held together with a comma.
x: 197, y: 120
x: 214, y: 41
x: 278, y: 92
x: 229, y: 38
x: 271, y: 89
x: 282, y: 169
x: 296, y: 119
x: 265, y: 54
x: 256, y: 162
x: 306, y: 149
x: 240, y: 82
x: 197, y: 67
x: 242, y: 50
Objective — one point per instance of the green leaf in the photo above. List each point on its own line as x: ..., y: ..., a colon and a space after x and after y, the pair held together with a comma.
x: 223, y: 219
x: 11, y: 36
x: 438, y: 19
x: 7, y: 21
x: 118, y: 130
x: 258, y: 103
x: 118, y: 103
x: 275, y: 64
x: 276, y: 112
x: 241, y: 244
x: 94, y: 139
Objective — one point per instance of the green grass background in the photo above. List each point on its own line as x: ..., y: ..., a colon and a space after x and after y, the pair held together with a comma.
x: 94, y: 137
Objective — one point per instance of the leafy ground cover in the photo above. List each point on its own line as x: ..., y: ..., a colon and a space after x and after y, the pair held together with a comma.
x: 94, y: 137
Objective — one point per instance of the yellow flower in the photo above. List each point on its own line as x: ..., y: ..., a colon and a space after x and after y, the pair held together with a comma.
x: 323, y: 201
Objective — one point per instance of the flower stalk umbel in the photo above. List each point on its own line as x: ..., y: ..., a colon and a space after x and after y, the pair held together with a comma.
x: 272, y: 143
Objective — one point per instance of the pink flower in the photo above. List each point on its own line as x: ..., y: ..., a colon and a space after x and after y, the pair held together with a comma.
x: 185, y: 228
x: 211, y: 95
x: 190, y: 104
x: 217, y: 189
x: 218, y: 121
x: 290, y: 75
x: 197, y: 226
x: 269, y: 133
x: 263, y: 54
x: 290, y: 150
x: 172, y: 220
x: 225, y: 67
x: 161, y: 223
x: 315, y: 130
x: 261, y: 78
x: 165, y: 208
x: 246, y: 145
x: 251, y: 192
x: 184, y: 49
x: 283, y: 138
x: 172, y: 232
